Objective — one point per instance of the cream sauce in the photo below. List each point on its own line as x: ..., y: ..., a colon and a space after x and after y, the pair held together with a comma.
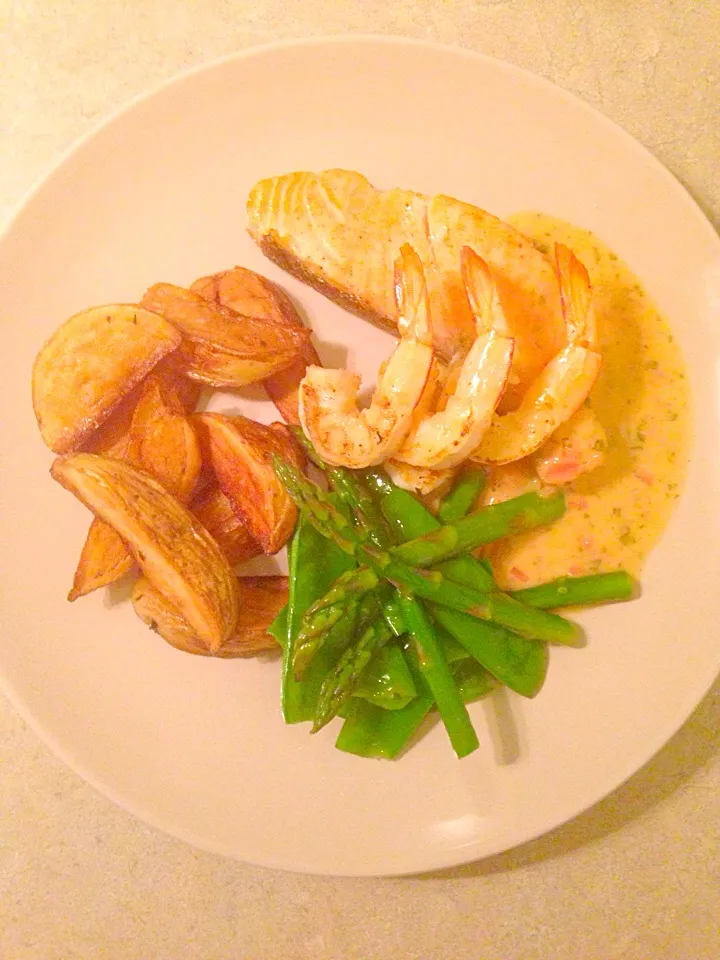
x: 617, y: 512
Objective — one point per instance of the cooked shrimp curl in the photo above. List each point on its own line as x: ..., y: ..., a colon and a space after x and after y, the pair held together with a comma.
x: 446, y: 438
x: 562, y: 387
x: 346, y: 436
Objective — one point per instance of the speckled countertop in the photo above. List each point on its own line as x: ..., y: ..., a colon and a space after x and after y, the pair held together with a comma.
x: 635, y: 878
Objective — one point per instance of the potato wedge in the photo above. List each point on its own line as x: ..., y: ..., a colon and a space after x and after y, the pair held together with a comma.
x: 217, y: 514
x: 89, y: 364
x: 217, y: 368
x: 282, y: 388
x: 240, y: 451
x: 212, y: 331
x: 250, y: 295
x: 261, y: 599
x: 112, y: 437
x: 170, y: 545
x: 103, y: 560
x: 161, y: 441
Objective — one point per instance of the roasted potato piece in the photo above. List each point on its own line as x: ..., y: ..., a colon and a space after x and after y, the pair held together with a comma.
x: 240, y: 451
x: 170, y: 545
x: 89, y: 364
x: 160, y: 441
x: 217, y: 514
x: 112, y: 437
x: 250, y: 295
x: 163, y: 441
x: 261, y: 599
x: 212, y: 333
x: 103, y: 560
x: 254, y: 296
x: 216, y: 368
x: 282, y: 388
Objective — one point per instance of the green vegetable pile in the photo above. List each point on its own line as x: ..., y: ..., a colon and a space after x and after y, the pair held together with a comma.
x: 390, y: 616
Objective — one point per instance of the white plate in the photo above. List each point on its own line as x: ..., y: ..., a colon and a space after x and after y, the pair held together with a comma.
x: 198, y: 747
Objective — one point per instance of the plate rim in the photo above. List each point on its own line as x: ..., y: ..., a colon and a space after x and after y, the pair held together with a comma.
x: 451, y: 856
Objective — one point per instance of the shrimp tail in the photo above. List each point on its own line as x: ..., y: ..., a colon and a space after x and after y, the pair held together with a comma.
x: 482, y: 294
x: 411, y: 297
x: 575, y: 294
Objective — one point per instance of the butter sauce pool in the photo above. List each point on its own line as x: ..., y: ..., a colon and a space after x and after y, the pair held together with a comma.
x: 617, y: 513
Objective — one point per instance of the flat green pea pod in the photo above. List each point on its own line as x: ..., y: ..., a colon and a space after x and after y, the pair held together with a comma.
x: 308, y: 580
x: 387, y: 682
x: 369, y: 731
x: 473, y: 681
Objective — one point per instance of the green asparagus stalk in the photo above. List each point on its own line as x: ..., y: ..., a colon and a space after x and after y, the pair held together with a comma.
x: 350, y: 488
x: 429, y: 585
x: 491, y: 523
x: 328, y: 611
x: 465, y: 491
x: 438, y: 677
x: 576, y: 591
x: 340, y: 682
x: 432, y: 585
x: 483, y: 526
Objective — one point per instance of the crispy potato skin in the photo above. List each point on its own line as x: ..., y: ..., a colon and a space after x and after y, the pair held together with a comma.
x: 240, y: 451
x: 254, y: 296
x: 90, y: 364
x: 160, y: 440
x: 221, y: 346
x: 171, y: 547
x: 217, y: 514
x: 261, y: 599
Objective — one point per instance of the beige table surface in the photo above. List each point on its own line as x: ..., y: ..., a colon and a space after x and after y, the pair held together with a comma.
x: 636, y: 877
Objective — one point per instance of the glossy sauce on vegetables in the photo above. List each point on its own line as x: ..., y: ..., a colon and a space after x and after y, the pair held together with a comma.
x: 617, y: 512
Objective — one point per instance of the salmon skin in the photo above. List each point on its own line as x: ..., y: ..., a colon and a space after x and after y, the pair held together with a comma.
x: 339, y: 234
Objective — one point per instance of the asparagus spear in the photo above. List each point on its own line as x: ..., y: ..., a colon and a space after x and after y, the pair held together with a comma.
x: 438, y: 677
x: 575, y: 591
x: 459, y: 502
x: 350, y: 488
x: 328, y: 611
x: 340, y: 683
x: 491, y: 523
x: 429, y: 585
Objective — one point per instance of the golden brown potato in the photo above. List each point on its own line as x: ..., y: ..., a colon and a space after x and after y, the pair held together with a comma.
x: 282, y: 388
x: 90, y: 364
x: 161, y: 441
x: 240, y: 451
x: 252, y: 295
x: 172, y: 548
x: 214, y: 333
x: 112, y: 437
x: 103, y: 560
x: 261, y: 599
x: 217, y: 368
x: 217, y: 514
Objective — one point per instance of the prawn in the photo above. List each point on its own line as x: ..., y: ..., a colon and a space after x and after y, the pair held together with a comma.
x: 562, y: 386
x: 342, y: 434
x: 448, y: 437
